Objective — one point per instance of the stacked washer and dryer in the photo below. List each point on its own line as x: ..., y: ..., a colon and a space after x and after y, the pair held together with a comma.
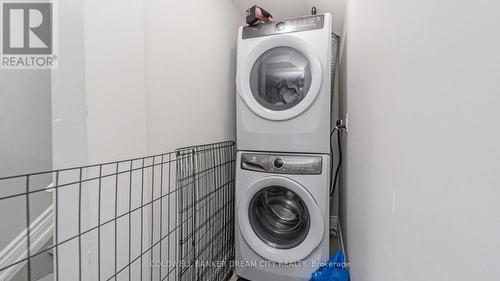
x: 283, y: 141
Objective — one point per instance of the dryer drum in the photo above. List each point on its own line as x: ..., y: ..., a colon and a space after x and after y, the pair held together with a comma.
x: 279, y: 217
x: 280, y: 78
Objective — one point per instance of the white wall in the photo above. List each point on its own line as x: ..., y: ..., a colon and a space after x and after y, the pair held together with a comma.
x: 115, y: 79
x: 25, y: 146
x: 190, y: 63
x: 69, y: 102
x: 151, y: 78
x: 69, y: 134
x: 99, y: 99
x: 25, y: 126
x: 146, y: 78
x: 421, y: 195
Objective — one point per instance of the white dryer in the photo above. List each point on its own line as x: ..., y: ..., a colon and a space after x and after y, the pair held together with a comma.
x: 282, y: 207
x: 284, y: 85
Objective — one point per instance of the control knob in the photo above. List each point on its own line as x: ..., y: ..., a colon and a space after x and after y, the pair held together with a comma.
x: 278, y: 163
x: 280, y: 25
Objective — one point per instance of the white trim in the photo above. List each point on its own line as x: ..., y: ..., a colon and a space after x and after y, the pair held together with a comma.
x: 50, y: 187
x: 41, y: 230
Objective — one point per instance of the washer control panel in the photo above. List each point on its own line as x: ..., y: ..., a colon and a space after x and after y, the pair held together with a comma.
x: 282, y: 164
x: 286, y: 26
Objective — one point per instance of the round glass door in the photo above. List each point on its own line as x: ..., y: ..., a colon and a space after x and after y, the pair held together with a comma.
x: 280, y: 78
x: 279, y: 217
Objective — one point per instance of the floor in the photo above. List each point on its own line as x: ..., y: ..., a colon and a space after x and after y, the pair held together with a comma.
x: 334, y: 246
x: 333, y: 250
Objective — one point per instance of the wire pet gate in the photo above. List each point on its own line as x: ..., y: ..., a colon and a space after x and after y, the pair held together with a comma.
x: 161, y: 217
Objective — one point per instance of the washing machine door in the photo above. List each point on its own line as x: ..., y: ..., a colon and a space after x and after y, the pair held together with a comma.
x: 280, y: 220
x: 280, y: 79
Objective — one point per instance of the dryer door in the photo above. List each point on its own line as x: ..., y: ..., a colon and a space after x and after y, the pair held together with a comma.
x: 280, y: 220
x: 280, y: 79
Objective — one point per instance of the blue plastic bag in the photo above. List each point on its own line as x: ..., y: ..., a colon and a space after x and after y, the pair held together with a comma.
x: 334, y: 270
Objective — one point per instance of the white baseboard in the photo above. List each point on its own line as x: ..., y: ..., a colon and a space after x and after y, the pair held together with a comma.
x: 41, y: 231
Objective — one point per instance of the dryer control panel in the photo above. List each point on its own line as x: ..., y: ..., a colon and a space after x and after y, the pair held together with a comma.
x: 286, y: 26
x: 282, y: 164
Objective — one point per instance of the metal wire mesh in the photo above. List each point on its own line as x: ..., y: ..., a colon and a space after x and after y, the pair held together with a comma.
x: 161, y: 217
x: 207, y: 210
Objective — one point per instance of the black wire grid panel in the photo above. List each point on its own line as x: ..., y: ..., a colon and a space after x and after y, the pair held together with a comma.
x: 161, y: 217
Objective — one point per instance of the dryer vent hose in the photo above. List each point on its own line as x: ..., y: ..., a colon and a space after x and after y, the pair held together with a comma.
x: 339, y: 126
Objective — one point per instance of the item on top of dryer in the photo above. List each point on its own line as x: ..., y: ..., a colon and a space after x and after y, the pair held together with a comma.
x: 336, y: 269
x: 256, y: 15
x: 313, y: 11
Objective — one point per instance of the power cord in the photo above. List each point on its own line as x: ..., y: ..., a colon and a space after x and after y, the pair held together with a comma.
x: 333, y: 180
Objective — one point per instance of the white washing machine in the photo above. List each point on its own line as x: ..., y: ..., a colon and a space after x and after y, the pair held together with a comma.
x: 283, y: 85
x: 282, y: 207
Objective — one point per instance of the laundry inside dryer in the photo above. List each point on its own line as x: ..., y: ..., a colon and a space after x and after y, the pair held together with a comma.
x: 280, y: 78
